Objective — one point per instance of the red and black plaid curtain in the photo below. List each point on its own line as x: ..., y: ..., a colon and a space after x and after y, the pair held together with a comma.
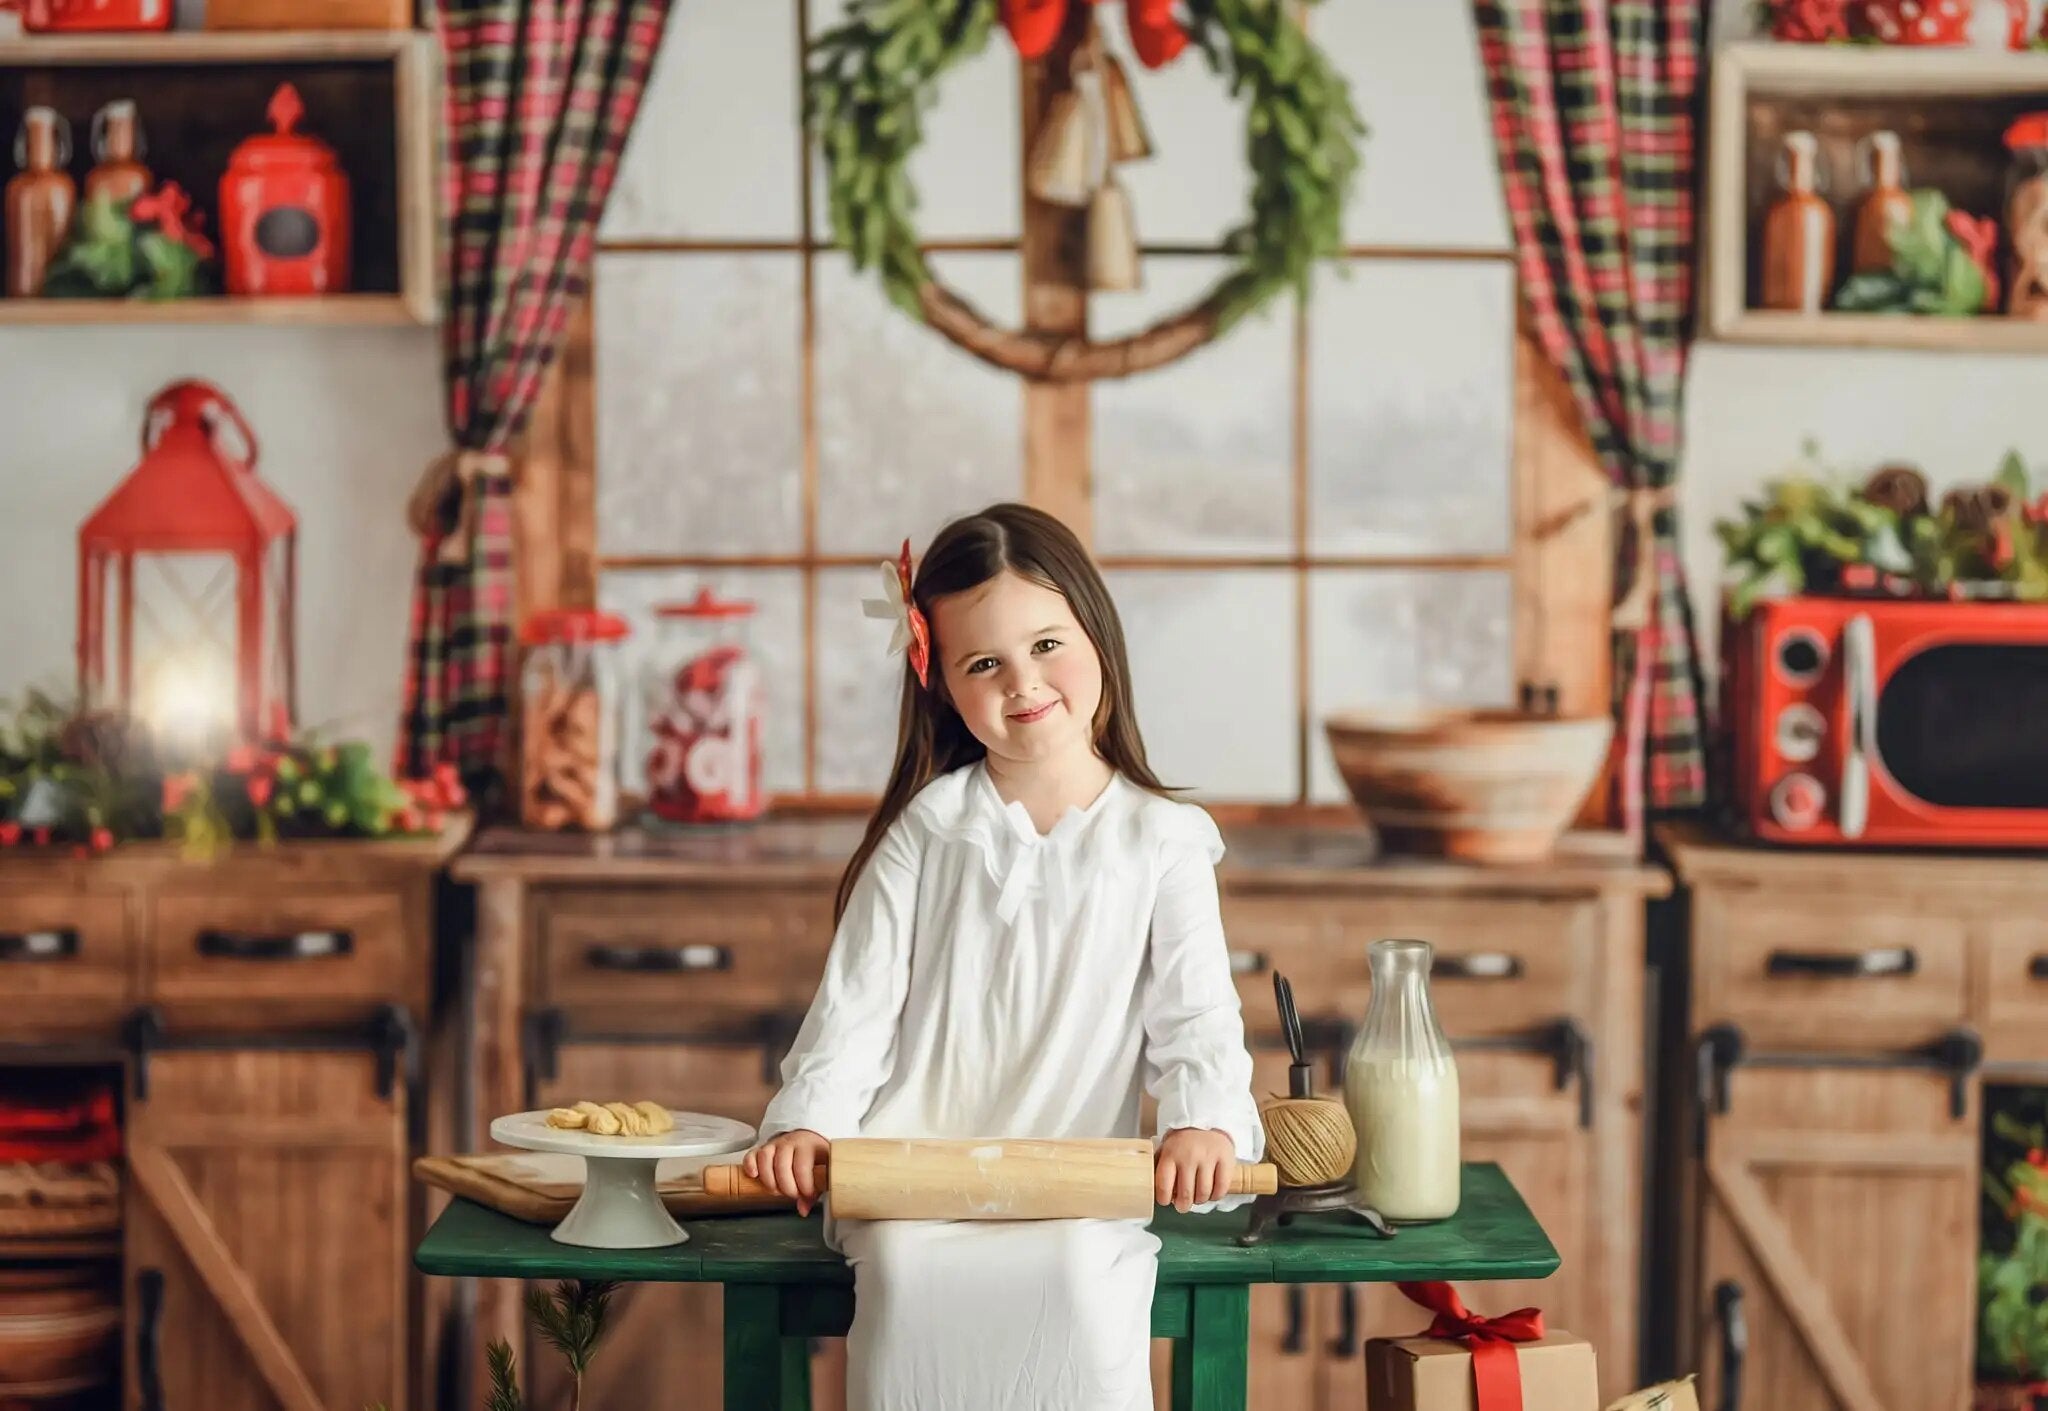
x: 540, y: 97
x: 1593, y: 119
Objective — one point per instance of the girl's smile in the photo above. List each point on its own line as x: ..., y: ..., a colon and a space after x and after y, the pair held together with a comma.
x: 1025, y: 717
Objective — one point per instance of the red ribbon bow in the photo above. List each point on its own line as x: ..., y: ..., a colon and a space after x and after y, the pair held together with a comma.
x: 1156, y: 35
x: 1496, y: 1372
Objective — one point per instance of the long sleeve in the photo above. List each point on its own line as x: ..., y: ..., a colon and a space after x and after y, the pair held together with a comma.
x: 846, y: 1047
x: 1197, y: 1066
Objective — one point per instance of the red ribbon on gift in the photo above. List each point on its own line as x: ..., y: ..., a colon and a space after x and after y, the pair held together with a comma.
x: 1496, y: 1372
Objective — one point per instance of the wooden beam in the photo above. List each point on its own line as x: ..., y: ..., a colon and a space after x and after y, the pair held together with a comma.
x: 1057, y: 428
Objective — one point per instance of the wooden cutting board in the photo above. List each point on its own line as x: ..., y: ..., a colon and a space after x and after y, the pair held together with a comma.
x: 539, y: 1187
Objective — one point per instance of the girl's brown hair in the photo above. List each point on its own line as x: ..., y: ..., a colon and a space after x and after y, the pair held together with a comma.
x: 932, y: 739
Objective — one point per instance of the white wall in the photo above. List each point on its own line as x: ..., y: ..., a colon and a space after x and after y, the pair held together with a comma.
x: 345, y: 417
x: 1748, y: 409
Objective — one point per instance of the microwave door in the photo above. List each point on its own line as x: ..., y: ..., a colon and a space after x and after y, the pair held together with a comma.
x: 1962, y: 726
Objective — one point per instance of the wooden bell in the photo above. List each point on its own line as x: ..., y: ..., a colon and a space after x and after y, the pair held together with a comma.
x: 1061, y: 168
x: 1112, y: 240
x: 1128, y: 140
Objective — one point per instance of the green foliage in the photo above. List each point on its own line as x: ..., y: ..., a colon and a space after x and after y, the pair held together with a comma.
x: 110, y: 255
x: 1808, y: 526
x: 1799, y: 533
x: 871, y: 79
x: 505, y: 1394
x: 1932, y: 271
x: 2012, y: 1275
x: 572, y: 1318
x: 95, y: 778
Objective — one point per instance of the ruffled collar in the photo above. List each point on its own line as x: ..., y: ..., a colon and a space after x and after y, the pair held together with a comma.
x: 965, y: 807
x: 1018, y: 818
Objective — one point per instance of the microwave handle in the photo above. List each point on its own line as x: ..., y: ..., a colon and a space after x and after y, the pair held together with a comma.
x: 1859, y: 684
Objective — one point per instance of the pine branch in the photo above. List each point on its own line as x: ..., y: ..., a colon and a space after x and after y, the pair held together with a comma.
x: 504, y: 1378
x: 572, y: 1319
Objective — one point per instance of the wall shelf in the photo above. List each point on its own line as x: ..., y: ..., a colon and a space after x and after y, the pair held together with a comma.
x: 372, y: 95
x: 1950, y: 108
x: 338, y: 310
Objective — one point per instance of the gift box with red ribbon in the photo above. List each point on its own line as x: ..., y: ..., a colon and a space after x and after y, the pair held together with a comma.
x: 1465, y: 1361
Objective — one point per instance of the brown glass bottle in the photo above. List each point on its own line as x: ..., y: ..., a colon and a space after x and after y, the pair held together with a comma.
x: 39, y: 200
x: 1886, y: 204
x: 117, y: 170
x: 1799, y: 235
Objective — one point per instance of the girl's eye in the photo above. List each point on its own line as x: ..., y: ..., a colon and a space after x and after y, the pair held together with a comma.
x: 976, y: 667
x: 1046, y: 644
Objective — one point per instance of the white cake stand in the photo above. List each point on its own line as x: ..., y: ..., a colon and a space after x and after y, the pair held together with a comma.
x: 619, y: 1208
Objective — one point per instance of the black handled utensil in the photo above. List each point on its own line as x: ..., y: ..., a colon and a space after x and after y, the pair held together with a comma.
x: 1300, y: 1079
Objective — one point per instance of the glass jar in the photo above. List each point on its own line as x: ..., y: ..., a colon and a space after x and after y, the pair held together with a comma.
x: 1401, y: 1086
x: 2026, y: 216
x: 569, y: 720
x: 699, y: 741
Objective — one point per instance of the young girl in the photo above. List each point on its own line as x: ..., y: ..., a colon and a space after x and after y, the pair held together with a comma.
x: 1027, y: 933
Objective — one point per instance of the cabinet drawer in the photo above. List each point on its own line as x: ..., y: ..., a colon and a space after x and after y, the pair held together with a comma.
x: 1500, y: 966
x: 1824, y: 971
x: 69, y: 949
x: 306, y: 950
x: 656, y: 953
x: 1266, y: 936
x: 2015, y: 986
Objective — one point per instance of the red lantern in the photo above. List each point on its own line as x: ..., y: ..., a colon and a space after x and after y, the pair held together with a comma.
x: 186, y: 577
x: 284, y: 216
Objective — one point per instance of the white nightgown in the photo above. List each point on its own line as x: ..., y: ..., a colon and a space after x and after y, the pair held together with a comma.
x: 989, y: 981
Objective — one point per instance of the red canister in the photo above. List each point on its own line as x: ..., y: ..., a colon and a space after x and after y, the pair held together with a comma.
x: 700, y: 750
x: 87, y: 16
x: 284, y: 216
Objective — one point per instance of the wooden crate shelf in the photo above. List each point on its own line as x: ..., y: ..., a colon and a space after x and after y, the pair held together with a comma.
x: 372, y: 95
x: 1950, y: 109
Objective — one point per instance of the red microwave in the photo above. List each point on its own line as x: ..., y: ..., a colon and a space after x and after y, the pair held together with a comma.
x: 1882, y: 722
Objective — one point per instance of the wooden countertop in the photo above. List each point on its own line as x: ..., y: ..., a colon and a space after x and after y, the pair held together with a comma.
x: 1261, y: 857
x: 324, y: 857
x: 1702, y: 853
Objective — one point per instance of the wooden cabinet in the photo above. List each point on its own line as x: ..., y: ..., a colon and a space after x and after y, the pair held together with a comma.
x: 267, y: 1237
x: 268, y: 1016
x: 679, y: 966
x: 1843, y: 1009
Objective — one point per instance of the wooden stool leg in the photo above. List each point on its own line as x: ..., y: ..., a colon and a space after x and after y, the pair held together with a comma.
x: 1211, y: 1365
x: 764, y: 1371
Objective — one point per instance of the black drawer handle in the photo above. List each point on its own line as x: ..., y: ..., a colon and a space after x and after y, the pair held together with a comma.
x: 1477, y: 965
x: 1250, y: 962
x: 691, y: 959
x: 29, y: 946
x: 1345, y: 1344
x: 1734, y: 1342
x: 2037, y: 968
x: 1294, y: 1338
x: 1843, y: 965
x: 283, y: 945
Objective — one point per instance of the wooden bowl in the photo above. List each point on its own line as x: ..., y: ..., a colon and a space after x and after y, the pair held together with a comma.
x: 1478, y: 785
x: 60, y: 1332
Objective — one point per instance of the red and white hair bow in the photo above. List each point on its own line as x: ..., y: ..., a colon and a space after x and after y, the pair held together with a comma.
x: 1156, y: 35
x: 911, y: 633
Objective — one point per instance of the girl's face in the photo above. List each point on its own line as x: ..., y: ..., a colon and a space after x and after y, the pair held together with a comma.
x: 1019, y: 669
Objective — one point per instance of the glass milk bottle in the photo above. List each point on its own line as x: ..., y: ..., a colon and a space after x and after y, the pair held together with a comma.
x: 1401, y: 1086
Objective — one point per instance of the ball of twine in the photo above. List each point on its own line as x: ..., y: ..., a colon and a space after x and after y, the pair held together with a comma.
x: 1309, y: 1139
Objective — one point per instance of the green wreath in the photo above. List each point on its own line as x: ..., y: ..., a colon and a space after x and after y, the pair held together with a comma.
x: 870, y: 80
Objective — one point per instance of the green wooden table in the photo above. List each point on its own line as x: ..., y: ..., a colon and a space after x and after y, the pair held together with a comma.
x: 783, y: 1286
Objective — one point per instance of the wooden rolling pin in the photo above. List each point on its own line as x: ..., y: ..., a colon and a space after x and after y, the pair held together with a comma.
x: 892, y: 1178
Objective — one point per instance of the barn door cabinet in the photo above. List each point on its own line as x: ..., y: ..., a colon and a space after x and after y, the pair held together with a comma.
x: 679, y: 966
x: 265, y: 1019
x: 1846, y: 1011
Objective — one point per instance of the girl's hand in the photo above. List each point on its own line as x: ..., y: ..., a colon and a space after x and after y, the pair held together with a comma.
x: 789, y: 1163
x: 1194, y: 1165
